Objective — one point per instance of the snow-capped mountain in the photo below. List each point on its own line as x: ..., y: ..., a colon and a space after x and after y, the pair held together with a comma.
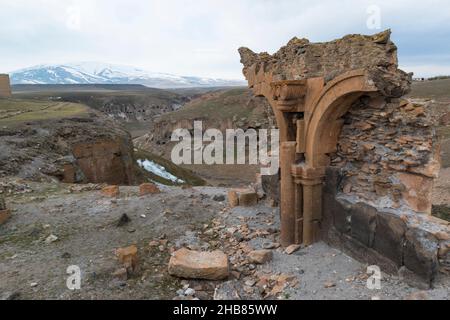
x: 102, y: 73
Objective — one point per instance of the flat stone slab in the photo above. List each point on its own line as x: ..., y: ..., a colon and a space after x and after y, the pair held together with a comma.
x: 189, y: 264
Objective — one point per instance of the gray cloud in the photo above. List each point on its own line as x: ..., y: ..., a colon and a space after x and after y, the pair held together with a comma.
x: 199, y: 37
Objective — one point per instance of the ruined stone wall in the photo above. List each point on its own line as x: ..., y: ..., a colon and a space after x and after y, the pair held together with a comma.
x: 5, y: 86
x: 376, y: 204
x: 414, y: 246
x: 388, y: 154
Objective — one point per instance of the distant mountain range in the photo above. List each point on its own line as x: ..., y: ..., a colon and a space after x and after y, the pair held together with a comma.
x: 103, y: 73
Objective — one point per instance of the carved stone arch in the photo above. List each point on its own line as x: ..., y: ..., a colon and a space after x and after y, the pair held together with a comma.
x: 324, y: 123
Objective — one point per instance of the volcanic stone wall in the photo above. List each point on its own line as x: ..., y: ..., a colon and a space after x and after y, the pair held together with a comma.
x: 376, y: 201
x: 389, y: 154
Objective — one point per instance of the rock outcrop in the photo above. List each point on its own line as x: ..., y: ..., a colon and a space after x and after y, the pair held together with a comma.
x: 75, y: 150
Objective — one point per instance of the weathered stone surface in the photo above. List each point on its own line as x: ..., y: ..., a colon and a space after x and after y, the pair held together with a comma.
x: 189, y: 264
x: 417, y: 192
x: 389, y: 237
x: 363, y: 223
x: 292, y: 249
x: 111, y: 191
x: 242, y: 197
x: 105, y: 161
x: 248, y: 198
x: 301, y: 59
x: 342, y: 215
x: 260, y: 256
x: 413, y: 279
x: 271, y: 186
x: 421, y: 254
x: 233, y: 198
x: 128, y: 257
x: 148, y: 188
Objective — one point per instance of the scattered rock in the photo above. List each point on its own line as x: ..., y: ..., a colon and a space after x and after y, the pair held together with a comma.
x: 292, y: 248
x: 128, y: 257
x: 242, y: 197
x: 419, y: 295
x: 111, y: 191
x: 124, y: 220
x: 260, y: 256
x: 148, y: 188
x: 51, y: 238
x: 189, y: 292
x: 219, y: 198
x: 190, y: 264
x: 233, y: 198
x: 329, y: 285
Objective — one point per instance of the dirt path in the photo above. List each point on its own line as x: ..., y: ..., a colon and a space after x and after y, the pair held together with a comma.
x: 86, y: 226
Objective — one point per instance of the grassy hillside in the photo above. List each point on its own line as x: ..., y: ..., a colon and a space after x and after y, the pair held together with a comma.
x: 17, y: 111
x: 236, y: 104
x: 436, y: 89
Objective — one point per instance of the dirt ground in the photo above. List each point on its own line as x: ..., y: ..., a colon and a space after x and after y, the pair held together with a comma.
x: 86, y: 225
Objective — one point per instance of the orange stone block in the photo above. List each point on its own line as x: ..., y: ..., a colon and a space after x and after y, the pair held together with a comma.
x: 233, y: 198
x: 148, y: 188
x: 111, y: 191
x: 128, y: 257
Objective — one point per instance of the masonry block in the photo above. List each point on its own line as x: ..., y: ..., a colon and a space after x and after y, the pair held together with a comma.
x: 389, y: 237
x: 421, y: 254
x: 363, y: 223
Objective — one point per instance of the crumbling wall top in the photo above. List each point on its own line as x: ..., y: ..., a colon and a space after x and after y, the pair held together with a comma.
x: 302, y: 59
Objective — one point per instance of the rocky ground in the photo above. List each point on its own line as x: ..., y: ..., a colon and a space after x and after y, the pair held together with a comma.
x: 56, y: 226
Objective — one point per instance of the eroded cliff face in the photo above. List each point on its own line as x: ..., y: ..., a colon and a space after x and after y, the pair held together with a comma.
x: 75, y: 150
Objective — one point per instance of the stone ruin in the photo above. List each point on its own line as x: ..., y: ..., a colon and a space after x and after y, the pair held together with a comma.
x: 357, y: 161
x: 5, y: 86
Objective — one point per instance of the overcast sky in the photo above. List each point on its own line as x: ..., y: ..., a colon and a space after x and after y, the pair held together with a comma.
x: 201, y: 37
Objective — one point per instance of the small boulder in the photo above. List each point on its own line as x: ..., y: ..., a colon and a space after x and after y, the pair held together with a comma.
x: 248, y: 198
x: 219, y: 198
x: 148, y: 188
x: 242, y: 197
x: 233, y: 198
x: 128, y: 257
x: 189, y: 264
x: 124, y: 219
x: 292, y: 248
x: 260, y: 256
x: 111, y: 191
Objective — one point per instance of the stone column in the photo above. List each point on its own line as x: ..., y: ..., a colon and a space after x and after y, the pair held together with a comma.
x: 297, y: 174
x: 287, y: 193
x: 312, y: 183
